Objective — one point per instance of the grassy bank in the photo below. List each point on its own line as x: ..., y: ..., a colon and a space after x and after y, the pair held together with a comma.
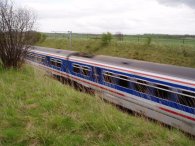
x: 174, y: 54
x: 37, y: 110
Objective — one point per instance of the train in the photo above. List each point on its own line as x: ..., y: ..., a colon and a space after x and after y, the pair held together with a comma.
x: 165, y: 93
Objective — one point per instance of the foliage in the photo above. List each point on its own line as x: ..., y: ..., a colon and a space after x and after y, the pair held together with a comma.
x: 38, y: 37
x: 106, y: 38
x: 37, y: 110
x: 16, y: 35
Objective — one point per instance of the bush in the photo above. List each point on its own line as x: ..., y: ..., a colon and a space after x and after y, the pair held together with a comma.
x: 16, y: 33
x: 106, y: 38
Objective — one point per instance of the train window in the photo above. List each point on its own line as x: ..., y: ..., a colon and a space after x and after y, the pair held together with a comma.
x: 43, y: 59
x: 161, y: 92
x: 39, y: 59
x: 35, y: 58
x: 123, y: 81
x: 141, y: 86
x: 52, y: 62
x: 59, y: 64
x: 186, y: 100
x: 109, y: 77
x: 29, y: 55
x: 76, y: 68
x: 188, y: 93
x: 85, y: 71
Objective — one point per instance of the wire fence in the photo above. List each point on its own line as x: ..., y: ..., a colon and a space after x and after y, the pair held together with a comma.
x: 169, y: 40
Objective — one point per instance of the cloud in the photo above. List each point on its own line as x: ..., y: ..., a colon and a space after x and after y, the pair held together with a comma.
x: 190, y: 3
x: 126, y: 16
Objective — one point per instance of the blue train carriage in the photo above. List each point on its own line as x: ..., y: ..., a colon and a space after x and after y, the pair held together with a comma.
x: 162, y: 92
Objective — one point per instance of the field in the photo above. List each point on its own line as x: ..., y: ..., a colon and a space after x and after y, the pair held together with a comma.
x: 37, y: 110
x: 161, y: 49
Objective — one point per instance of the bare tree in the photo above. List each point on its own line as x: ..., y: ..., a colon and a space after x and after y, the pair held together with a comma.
x: 16, y: 35
x: 119, y: 36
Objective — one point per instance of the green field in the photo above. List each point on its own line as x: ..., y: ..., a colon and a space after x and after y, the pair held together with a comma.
x: 37, y: 110
x: 166, y: 51
x: 184, y: 40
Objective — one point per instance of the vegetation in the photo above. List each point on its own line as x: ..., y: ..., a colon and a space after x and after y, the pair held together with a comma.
x: 169, y: 51
x: 38, y: 37
x: 37, y: 110
x: 16, y: 34
x: 106, y: 38
x: 119, y: 36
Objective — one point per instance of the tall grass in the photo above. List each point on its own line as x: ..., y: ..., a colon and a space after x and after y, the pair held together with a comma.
x: 174, y: 54
x: 37, y: 110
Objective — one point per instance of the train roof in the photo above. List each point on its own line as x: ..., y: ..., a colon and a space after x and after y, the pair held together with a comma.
x: 171, y: 70
x: 61, y: 52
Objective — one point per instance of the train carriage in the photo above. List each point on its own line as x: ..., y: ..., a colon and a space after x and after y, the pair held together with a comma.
x: 162, y: 92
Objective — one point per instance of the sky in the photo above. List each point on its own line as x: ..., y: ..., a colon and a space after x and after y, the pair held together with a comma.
x: 125, y: 16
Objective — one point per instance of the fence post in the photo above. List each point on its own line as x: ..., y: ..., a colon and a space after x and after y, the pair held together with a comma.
x: 70, y: 37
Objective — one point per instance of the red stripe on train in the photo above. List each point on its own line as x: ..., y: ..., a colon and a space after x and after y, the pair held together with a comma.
x: 176, y: 113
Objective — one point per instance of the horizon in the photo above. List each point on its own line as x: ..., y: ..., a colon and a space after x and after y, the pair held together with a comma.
x: 66, y: 32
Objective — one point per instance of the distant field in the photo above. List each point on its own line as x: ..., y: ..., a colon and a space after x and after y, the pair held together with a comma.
x: 140, y: 39
x: 164, y: 50
x: 37, y: 110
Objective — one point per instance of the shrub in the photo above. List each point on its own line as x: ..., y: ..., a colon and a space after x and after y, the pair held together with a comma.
x: 106, y: 38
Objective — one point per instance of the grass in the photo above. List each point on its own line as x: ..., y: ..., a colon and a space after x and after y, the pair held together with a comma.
x: 37, y: 110
x: 166, y: 53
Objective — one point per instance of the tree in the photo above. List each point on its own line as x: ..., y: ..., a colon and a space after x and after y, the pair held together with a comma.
x: 16, y: 33
x: 119, y: 36
x: 106, y: 38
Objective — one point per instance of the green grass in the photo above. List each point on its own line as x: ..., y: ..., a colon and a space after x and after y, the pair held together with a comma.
x: 37, y: 110
x: 166, y: 53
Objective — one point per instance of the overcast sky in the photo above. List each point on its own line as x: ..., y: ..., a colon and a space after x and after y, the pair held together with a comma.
x: 126, y: 16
